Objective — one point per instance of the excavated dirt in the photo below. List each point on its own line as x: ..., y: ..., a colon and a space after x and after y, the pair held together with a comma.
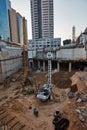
x: 22, y: 106
x: 62, y: 79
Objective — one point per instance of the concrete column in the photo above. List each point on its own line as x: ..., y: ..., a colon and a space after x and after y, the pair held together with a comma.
x: 38, y: 64
x: 43, y: 66
x: 70, y: 66
x: 58, y: 66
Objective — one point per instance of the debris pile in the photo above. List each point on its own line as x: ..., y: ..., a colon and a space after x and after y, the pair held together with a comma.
x: 81, y: 106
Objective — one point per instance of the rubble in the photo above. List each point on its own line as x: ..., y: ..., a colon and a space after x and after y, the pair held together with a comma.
x: 81, y: 118
x: 78, y: 111
x: 79, y: 100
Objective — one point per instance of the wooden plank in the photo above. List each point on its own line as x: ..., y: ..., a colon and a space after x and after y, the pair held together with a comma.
x: 22, y: 127
x: 2, y: 112
x: 7, y: 120
x: 26, y: 128
x: 12, y: 123
x: 3, y: 116
x: 19, y: 126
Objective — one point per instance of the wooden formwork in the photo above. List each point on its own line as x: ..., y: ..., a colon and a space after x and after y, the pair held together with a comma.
x: 10, y: 122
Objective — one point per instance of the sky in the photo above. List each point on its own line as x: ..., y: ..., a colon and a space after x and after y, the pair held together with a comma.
x: 67, y: 13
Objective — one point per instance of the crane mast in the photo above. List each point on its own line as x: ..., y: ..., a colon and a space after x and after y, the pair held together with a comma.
x: 49, y: 56
x: 49, y: 73
x: 25, y: 47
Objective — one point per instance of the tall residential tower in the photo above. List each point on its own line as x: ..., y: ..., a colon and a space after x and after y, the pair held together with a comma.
x: 42, y: 19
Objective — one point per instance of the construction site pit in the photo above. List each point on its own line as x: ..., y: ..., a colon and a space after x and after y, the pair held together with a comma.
x: 18, y: 102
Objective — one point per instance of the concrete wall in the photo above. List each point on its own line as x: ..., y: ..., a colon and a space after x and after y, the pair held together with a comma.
x: 79, y: 53
x: 11, y: 60
x: 71, y: 54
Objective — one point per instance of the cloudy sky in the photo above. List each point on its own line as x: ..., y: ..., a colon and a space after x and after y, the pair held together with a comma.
x: 66, y: 14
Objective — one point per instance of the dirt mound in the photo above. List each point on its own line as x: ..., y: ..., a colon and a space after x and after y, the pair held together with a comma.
x: 62, y: 79
x: 59, y: 79
x: 80, y: 79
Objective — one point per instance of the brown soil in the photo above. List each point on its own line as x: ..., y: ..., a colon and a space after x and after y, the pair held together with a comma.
x: 22, y: 106
x: 62, y: 79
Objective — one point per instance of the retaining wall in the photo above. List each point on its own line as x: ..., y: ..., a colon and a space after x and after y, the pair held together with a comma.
x: 71, y: 53
x: 11, y: 60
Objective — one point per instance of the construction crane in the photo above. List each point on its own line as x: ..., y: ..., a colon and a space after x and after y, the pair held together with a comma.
x: 25, y: 48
